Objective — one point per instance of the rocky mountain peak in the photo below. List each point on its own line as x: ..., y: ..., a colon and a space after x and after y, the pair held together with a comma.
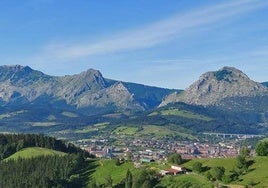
x: 94, y: 77
x: 87, y: 90
x: 14, y: 69
x: 229, y: 74
x: 17, y: 74
x: 214, y: 86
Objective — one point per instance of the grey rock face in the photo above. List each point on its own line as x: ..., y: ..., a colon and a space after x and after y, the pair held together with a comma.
x: 19, y: 84
x: 213, y: 87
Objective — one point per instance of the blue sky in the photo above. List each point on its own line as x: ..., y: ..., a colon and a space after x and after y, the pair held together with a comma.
x: 153, y: 42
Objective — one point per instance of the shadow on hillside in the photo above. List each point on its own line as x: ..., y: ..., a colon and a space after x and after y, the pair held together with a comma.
x: 205, y: 168
x: 250, y: 170
x: 254, y: 183
x: 250, y: 162
x: 86, y: 172
x: 185, y: 160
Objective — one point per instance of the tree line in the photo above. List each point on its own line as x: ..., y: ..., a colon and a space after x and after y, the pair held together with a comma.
x: 44, y: 171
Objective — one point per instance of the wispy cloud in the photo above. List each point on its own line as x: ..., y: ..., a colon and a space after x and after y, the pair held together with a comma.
x: 251, y: 62
x: 250, y: 58
x: 152, y: 34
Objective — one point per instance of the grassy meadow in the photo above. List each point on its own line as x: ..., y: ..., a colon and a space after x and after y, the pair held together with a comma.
x: 257, y: 173
x: 34, y: 152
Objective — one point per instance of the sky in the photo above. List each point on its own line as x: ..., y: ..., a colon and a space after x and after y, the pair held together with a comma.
x: 164, y: 43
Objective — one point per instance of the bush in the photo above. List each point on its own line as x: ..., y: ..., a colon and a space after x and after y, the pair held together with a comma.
x: 175, y: 158
x: 217, y: 172
x: 262, y: 148
x: 197, y: 167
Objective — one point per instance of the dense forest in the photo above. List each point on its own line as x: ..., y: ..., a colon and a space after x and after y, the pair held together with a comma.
x: 43, y: 171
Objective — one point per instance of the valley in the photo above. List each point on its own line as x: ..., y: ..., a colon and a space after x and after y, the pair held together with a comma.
x: 133, y: 94
x: 139, y: 127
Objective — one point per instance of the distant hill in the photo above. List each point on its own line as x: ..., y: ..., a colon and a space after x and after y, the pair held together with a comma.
x: 194, y: 119
x: 265, y: 84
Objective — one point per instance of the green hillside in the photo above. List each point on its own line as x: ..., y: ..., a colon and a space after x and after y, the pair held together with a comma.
x: 32, y: 160
x: 256, y: 175
x: 185, y: 180
x: 105, y: 168
x: 34, y: 152
x: 227, y: 163
x: 102, y: 169
x: 182, y: 113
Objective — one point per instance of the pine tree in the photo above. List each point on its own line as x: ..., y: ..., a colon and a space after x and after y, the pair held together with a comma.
x: 129, y: 180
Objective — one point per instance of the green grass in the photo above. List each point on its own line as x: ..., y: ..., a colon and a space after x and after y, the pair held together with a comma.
x: 227, y: 163
x: 101, y: 125
x: 258, y: 173
x: 153, y: 114
x: 34, y: 152
x: 126, y: 130
x: 69, y: 114
x: 156, y: 130
x: 264, y: 139
x: 157, y: 166
x: 161, y: 131
x: 11, y: 114
x: 152, y: 131
x: 91, y: 128
x: 186, y: 180
x: 87, y: 129
x: 185, y: 114
x: 43, y: 124
x: 105, y: 168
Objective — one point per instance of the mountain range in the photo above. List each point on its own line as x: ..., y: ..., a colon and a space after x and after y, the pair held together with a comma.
x: 86, y: 92
x: 219, y: 101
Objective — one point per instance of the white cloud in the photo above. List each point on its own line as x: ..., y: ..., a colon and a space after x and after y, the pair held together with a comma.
x: 153, y: 34
x: 187, y: 70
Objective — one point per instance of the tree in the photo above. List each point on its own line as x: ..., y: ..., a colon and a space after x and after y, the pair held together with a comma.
x: 175, y: 158
x: 20, y: 145
x: 226, y: 179
x: 262, y: 148
x: 129, y: 180
x: 117, y: 162
x: 197, y: 167
x: 146, y: 184
x: 208, y: 175
x: 241, y: 164
x: 244, y: 152
x: 128, y: 156
x: 217, y: 172
x: 143, y: 178
x: 93, y: 184
x: 108, y: 181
